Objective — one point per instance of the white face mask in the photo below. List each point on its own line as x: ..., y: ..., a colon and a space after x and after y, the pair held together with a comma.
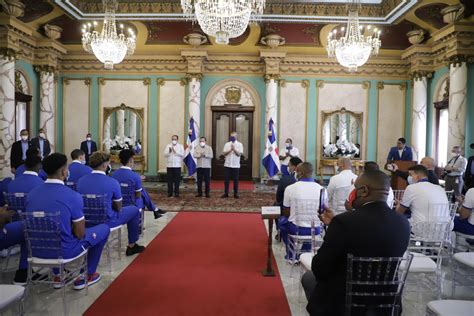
x: 174, y: 142
x: 410, y: 180
x: 24, y: 138
x: 454, y: 154
x: 202, y: 144
x: 88, y: 139
x: 338, y: 169
x: 288, y: 145
x: 42, y: 135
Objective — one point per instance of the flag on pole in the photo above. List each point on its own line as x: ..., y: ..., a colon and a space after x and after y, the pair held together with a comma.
x: 270, y: 160
x: 189, y: 159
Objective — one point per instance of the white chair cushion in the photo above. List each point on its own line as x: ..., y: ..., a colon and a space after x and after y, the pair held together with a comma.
x: 112, y: 229
x: 465, y: 257
x: 43, y: 261
x: 420, y: 264
x: 10, y: 294
x: 301, y: 237
x: 306, y: 259
x: 451, y: 307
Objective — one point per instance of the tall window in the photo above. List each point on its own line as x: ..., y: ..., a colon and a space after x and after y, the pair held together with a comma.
x: 441, y: 124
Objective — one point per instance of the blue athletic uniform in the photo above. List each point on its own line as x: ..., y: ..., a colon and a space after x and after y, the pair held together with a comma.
x: 127, y: 175
x: 53, y: 196
x: 22, y: 168
x: 3, y: 189
x: 100, y: 184
x: 25, y: 183
x: 12, y: 234
x: 77, y: 170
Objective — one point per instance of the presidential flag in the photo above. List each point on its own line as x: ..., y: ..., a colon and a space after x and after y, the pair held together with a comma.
x: 270, y: 160
x: 191, y: 143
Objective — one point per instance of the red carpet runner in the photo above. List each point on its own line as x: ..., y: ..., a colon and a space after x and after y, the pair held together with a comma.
x: 200, y: 264
x: 243, y: 185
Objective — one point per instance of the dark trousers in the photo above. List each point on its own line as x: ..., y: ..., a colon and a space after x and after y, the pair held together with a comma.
x: 231, y: 173
x: 174, y: 176
x: 204, y: 174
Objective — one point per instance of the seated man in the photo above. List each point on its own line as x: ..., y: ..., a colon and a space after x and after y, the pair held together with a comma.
x: 341, y: 183
x: 29, y: 179
x: 126, y: 175
x: 291, y: 221
x: 78, y: 167
x: 373, y: 230
x: 22, y: 168
x: 287, y: 180
x: 53, y: 196
x: 420, y: 195
x: 428, y: 162
x: 100, y: 184
x: 464, y: 224
x: 4, y: 189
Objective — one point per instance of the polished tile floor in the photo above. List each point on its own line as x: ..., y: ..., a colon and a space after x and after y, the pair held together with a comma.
x: 45, y: 301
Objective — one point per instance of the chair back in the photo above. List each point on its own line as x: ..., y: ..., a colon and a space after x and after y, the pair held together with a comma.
x: 42, y: 234
x: 16, y: 202
x: 338, y: 199
x: 450, y: 195
x: 437, y: 225
x: 95, y: 209
x: 398, y: 194
x: 71, y: 185
x: 128, y: 193
x: 374, y: 285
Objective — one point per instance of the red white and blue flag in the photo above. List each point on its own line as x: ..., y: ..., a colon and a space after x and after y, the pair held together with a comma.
x: 270, y: 160
x: 191, y: 143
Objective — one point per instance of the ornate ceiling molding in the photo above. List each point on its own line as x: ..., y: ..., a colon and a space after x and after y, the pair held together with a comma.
x: 386, y: 12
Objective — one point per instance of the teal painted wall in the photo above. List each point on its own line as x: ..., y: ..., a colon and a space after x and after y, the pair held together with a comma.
x: 33, y: 79
x: 470, y: 111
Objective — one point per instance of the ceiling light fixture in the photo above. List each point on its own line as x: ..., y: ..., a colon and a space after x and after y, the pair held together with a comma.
x: 108, y: 46
x: 353, y: 49
x: 223, y: 19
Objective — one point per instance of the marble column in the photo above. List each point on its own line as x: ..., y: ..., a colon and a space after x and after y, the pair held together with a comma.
x: 418, y: 124
x: 7, y: 113
x: 120, y: 123
x: 271, y: 106
x: 107, y: 135
x: 133, y: 127
x: 194, y: 105
x: 47, y: 105
x: 457, y: 104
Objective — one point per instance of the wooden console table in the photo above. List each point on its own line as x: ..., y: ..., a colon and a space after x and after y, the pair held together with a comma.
x: 357, y: 166
x: 138, y: 159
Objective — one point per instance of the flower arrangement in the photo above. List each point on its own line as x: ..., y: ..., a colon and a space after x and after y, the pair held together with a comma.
x: 342, y: 148
x: 118, y: 143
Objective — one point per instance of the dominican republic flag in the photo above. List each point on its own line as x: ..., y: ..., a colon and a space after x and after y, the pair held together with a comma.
x: 270, y: 160
x: 191, y: 143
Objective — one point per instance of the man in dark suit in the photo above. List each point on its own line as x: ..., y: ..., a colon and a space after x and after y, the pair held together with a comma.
x: 400, y: 152
x: 428, y: 162
x: 469, y: 174
x: 372, y: 230
x: 19, y: 148
x: 41, y: 143
x: 88, y: 147
x: 287, y: 180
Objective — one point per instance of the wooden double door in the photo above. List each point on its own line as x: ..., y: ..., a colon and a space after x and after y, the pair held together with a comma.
x: 225, y: 120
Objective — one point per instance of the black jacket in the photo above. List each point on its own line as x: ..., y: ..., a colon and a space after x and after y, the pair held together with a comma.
x: 46, y: 146
x: 469, y: 174
x: 373, y: 230
x: 16, y: 154
x: 432, y: 177
x: 86, y: 150
x: 284, y: 182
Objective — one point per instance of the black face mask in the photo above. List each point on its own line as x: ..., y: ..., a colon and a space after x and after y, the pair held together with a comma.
x: 108, y: 170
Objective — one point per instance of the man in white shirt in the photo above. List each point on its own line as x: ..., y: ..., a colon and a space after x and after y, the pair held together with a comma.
x: 340, y: 185
x: 421, y: 196
x: 454, y: 171
x: 287, y: 154
x: 232, y: 151
x: 203, y: 154
x: 465, y: 222
x: 174, y: 154
x: 295, y: 218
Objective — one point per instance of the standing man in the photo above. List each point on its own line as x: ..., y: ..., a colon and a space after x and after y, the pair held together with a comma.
x: 454, y: 171
x: 19, y: 148
x: 203, y: 153
x: 174, y: 153
x: 289, y: 153
x: 400, y: 152
x: 469, y: 174
x: 41, y: 143
x: 88, y: 147
x: 232, y: 152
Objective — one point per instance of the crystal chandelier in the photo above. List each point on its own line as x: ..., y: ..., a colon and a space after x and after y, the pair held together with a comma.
x: 353, y: 48
x: 223, y: 19
x: 108, y: 46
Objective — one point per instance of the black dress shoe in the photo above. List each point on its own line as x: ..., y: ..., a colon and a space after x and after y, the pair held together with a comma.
x: 158, y: 213
x: 236, y: 196
x: 134, y: 250
x: 176, y: 195
x: 199, y: 195
x: 208, y: 195
x: 170, y: 194
x: 225, y: 195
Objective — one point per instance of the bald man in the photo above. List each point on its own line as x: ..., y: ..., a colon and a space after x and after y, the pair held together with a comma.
x: 340, y: 185
x: 428, y: 163
x: 373, y: 230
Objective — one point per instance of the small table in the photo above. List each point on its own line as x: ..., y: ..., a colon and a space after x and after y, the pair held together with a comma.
x: 270, y: 213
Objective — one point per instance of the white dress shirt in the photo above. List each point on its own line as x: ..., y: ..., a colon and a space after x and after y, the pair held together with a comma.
x: 419, y: 196
x: 458, y: 166
x: 174, y: 159
x: 469, y: 204
x: 232, y: 160
x: 203, y: 156
x: 302, y: 191
x: 338, y: 184
x: 294, y: 152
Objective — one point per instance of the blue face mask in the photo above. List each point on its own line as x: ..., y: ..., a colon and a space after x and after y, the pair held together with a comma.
x: 232, y: 138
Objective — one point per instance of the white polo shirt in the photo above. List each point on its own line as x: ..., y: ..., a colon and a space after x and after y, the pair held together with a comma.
x: 337, y: 183
x: 469, y: 204
x: 299, y: 191
x: 294, y: 152
x: 174, y: 159
x: 232, y: 160
x: 419, y: 196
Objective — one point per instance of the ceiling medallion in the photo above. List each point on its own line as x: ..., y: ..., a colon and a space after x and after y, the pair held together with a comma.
x: 108, y: 46
x: 223, y: 19
x: 356, y: 45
